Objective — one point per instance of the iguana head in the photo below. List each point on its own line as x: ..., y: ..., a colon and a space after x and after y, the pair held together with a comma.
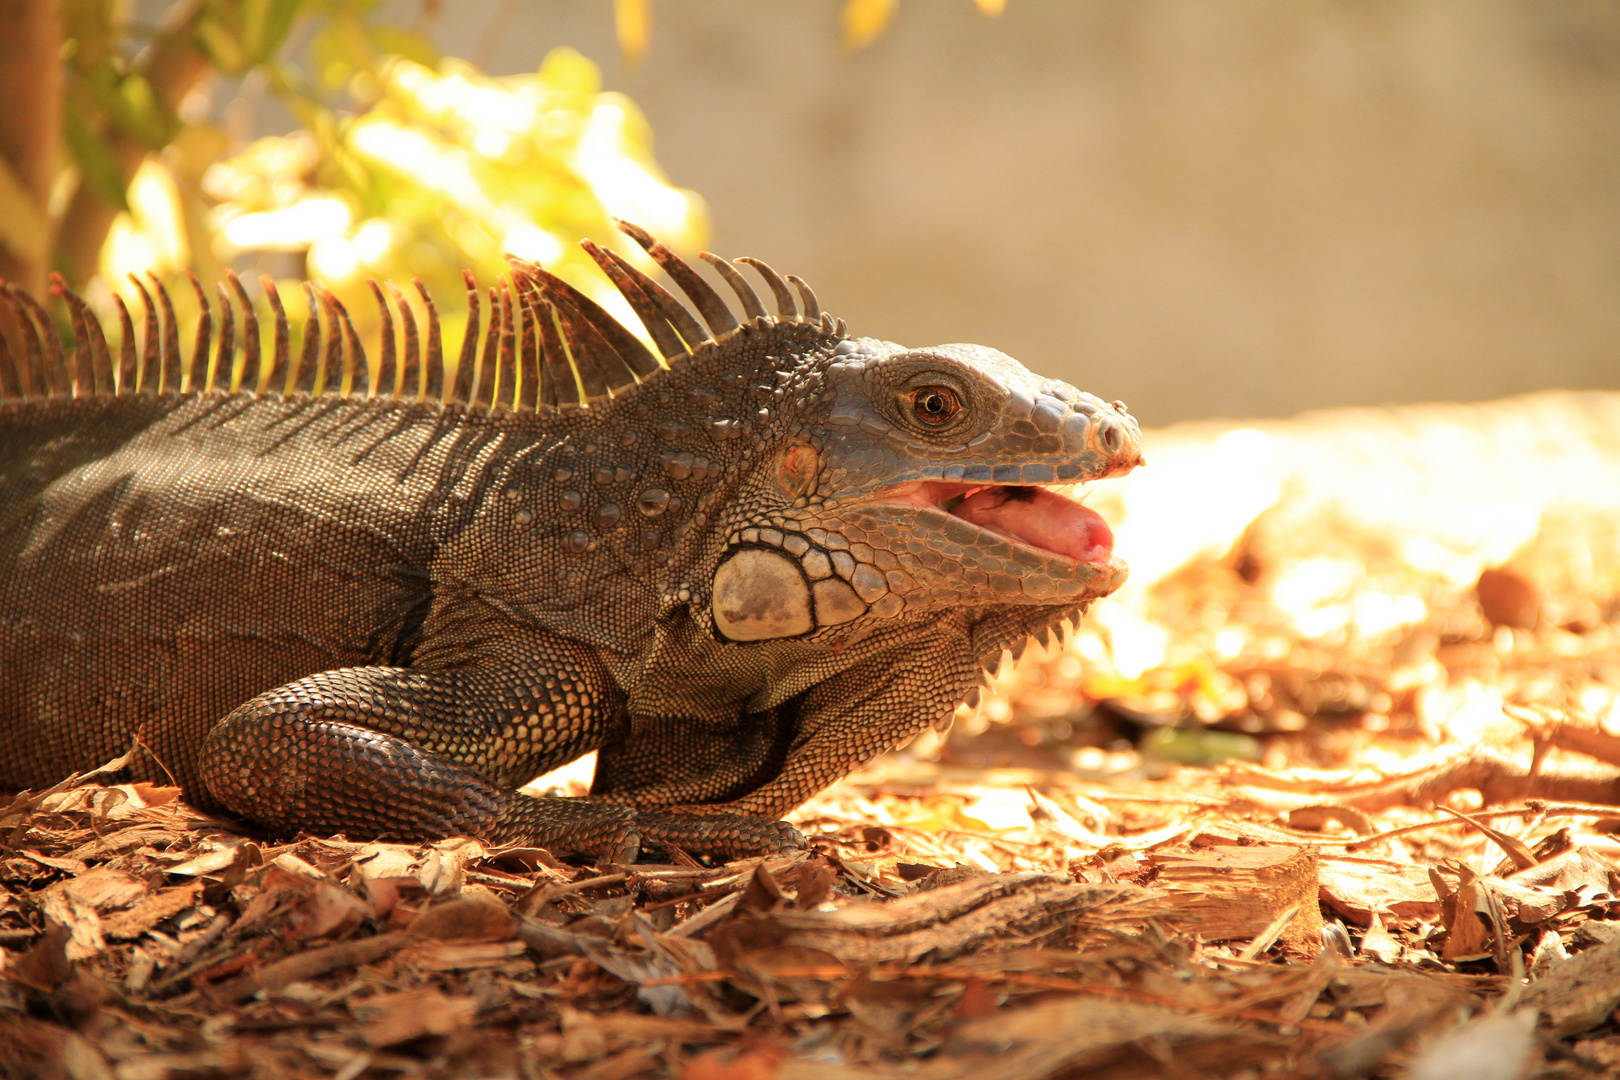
x: 863, y: 482
x: 922, y: 480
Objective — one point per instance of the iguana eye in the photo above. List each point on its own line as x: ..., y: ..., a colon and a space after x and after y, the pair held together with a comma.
x: 934, y: 405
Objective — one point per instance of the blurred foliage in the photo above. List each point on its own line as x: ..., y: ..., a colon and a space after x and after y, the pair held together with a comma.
x: 865, y: 20
x: 632, y: 21
x: 405, y: 165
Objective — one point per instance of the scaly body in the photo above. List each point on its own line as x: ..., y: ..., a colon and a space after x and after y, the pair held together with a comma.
x: 736, y: 573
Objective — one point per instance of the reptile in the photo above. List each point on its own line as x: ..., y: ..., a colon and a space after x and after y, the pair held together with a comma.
x: 337, y: 596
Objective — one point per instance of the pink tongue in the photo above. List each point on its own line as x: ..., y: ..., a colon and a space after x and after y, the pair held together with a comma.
x: 1041, y: 520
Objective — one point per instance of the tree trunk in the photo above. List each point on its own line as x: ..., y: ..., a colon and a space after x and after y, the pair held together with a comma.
x: 30, y: 126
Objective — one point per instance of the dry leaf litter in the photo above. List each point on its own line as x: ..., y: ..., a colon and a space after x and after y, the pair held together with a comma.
x: 1331, y: 789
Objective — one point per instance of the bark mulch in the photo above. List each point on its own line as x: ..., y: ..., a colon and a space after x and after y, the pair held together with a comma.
x: 1332, y: 789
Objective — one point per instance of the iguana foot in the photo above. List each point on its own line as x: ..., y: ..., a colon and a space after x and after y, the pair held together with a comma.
x: 298, y: 774
x: 728, y: 836
x: 587, y: 827
x: 295, y: 775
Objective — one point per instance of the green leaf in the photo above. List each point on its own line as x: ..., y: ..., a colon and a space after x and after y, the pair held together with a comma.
x: 96, y: 161
x: 89, y: 26
x: 340, y: 51
x: 255, y: 15
x: 220, y: 45
x: 23, y: 228
x: 260, y: 26
x: 132, y: 107
x: 285, y: 81
x: 1199, y: 746
x: 143, y: 116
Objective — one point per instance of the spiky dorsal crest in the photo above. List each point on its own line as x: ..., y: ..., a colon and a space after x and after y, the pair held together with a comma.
x: 546, y: 346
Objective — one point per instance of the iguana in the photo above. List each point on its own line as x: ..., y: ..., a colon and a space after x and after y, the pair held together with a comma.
x: 329, y: 599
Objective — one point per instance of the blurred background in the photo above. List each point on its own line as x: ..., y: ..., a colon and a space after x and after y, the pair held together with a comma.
x: 1204, y: 207
x: 1224, y: 212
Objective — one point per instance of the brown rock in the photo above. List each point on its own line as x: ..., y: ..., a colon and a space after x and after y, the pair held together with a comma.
x: 1507, y: 598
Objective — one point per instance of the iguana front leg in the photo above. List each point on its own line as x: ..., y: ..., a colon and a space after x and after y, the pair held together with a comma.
x: 408, y: 754
x: 772, y: 762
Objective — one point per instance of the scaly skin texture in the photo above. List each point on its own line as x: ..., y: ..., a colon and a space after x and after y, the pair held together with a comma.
x: 736, y: 580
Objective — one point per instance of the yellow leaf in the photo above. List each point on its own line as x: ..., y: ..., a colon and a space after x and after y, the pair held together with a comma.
x: 944, y: 813
x: 864, y: 20
x: 566, y: 70
x: 632, y: 21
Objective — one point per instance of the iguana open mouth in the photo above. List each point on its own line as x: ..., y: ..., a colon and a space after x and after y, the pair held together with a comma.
x: 1035, y: 517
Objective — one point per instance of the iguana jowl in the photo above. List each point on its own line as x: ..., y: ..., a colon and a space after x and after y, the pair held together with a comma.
x: 330, y: 603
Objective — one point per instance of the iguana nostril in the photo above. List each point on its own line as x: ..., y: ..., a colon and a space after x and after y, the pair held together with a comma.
x: 1113, y: 439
